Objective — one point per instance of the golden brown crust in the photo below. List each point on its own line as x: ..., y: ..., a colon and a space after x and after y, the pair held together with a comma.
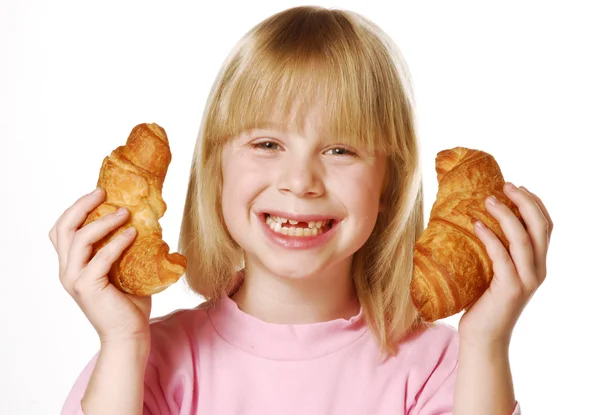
x: 132, y: 176
x: 451, y: 266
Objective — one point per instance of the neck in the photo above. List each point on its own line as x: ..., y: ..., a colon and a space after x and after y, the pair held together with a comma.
x: 310, y: 299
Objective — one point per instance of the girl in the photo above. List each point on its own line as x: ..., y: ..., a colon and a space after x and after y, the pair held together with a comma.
x: 303, y: 207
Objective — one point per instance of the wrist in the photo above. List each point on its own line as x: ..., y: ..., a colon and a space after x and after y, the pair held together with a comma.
x: 484, y: 380
x: 497, y: 343
x: 135, y: 345
x: 483, y: 352
x: 117, y: 382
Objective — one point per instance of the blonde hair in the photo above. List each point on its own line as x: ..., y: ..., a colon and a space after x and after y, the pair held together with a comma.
x: 301, y: 59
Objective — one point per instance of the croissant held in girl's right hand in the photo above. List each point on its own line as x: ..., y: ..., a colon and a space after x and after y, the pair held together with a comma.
x: 451, y: 266
x: 133, y: 176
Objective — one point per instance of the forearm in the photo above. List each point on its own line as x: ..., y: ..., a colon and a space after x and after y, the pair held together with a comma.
x: 484, y: 381
x: 117, y: 383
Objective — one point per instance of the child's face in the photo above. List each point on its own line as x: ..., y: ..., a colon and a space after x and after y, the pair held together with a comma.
x: 270, y: 177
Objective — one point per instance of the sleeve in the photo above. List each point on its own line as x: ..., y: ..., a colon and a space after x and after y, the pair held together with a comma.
x: 433, y: 364
x: 436, y: 397
x: 170, y: 383
x: 517, y: 410
x: 72, y: 405
x: 155, y: 402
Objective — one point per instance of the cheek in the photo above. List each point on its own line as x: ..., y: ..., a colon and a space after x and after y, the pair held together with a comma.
x: 360, y: 191
x: 243, y: 180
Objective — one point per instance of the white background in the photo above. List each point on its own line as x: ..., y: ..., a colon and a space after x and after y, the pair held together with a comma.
x: 519, y: 80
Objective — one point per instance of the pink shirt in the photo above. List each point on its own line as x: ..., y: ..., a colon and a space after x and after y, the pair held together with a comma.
x: 222, y: 361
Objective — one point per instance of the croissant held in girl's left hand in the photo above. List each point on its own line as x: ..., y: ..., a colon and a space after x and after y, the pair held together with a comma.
x: 491, y: 270
x: 518, y: 271
x: 451, y: 266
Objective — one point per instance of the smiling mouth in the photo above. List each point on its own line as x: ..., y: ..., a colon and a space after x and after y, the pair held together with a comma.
x: 292, y: 227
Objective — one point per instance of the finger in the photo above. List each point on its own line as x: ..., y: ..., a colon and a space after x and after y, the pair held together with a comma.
x: 505, y: 272
x: 85, y: 238
x: 94, y: 277
x: 537, y: 227
x: 72, y: 219
x: 520, y: 246
x: 542, y: 208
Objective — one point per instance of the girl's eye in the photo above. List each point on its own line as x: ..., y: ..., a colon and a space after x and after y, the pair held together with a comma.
x: 340, y: 151
x: 266, y: 145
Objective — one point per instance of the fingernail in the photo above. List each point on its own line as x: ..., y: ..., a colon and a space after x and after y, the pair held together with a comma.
x: 492, y: 200
x: 97, y: 192
x: 129, y: 231
x: 510, y: 187
x: 121, y: 212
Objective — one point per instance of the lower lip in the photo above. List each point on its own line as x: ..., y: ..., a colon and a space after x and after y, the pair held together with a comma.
x: 297, y: 242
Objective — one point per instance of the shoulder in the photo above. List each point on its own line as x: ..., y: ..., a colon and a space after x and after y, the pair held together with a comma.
x: 179, y: 319
x: 432, y: 346
x: 174, y: 336
x: 431, y: 337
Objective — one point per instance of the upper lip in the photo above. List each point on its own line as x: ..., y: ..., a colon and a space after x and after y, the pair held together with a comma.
x: 299, y: 217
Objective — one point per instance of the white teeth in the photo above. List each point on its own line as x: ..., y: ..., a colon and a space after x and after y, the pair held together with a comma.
x: 314, y: 227
x: 312, y: 224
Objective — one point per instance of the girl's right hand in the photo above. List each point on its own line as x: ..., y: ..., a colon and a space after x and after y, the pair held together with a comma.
x: 116, y: 316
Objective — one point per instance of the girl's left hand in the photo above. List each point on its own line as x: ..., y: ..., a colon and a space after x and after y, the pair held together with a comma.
x: 491, y: 319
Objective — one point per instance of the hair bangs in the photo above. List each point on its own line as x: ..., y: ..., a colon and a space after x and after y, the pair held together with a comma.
x: 276, y: 84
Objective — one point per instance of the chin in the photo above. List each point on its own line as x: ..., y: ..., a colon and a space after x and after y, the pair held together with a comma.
x: 299, y: 264
x: 294, y: 268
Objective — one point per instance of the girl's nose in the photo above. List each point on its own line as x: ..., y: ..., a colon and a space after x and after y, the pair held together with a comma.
x: 302, y: 178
